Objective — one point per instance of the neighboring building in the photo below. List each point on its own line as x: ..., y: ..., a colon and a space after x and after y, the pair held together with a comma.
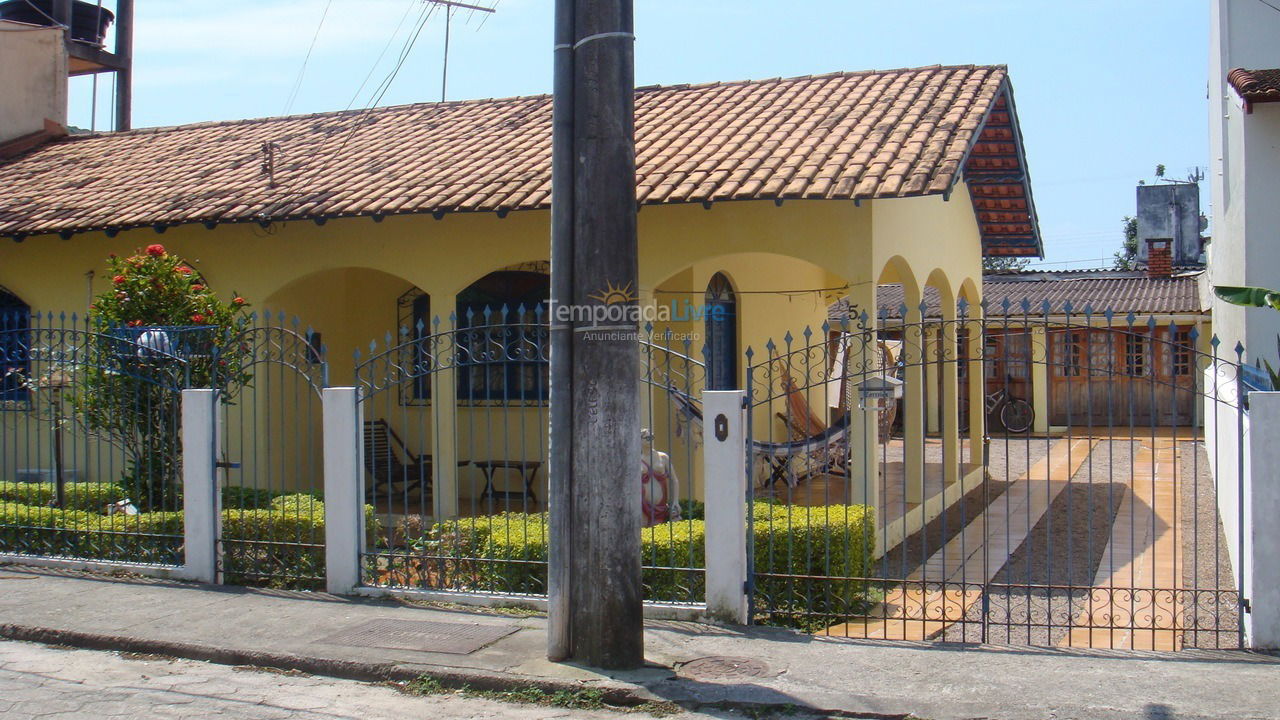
x: 1244, y: 134
x: 366, y: 223
x: 1044, y: 343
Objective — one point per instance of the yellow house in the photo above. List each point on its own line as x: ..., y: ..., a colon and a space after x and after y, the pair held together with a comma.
x: 773, y: 198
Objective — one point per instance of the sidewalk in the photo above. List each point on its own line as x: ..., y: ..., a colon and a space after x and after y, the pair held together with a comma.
x: 338, y: 636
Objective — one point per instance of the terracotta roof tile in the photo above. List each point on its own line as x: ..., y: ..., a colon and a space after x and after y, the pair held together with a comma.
x: 1121, y: 292
x: 876, y: 134
x: 1256, y: 86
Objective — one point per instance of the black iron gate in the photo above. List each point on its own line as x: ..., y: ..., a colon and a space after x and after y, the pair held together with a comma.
x: 1050, y: 480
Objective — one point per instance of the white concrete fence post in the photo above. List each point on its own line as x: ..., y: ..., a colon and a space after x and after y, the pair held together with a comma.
x: 343, y: 498
x: 725, y: 470
x: 1261, y: 569
x: 201, y: 501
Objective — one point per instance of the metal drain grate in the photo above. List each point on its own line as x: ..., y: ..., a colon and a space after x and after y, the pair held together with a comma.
x: 722, y: 667
x: 421, y: 635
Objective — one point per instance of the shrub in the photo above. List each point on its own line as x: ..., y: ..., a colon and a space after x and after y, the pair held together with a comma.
x: 281, y: 545
x: 90, y: 496
x: 145, y: 538
x: 812, y: 563
x: 809, y: 561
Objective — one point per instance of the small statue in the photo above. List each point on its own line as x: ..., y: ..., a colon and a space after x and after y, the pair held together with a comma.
x: 659, y: 486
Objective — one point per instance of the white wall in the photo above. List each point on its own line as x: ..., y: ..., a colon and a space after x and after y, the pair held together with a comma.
x: 33, y: 79
x: 1245, y: 173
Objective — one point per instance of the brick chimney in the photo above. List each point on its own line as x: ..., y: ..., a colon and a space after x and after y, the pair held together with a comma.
x: 1159, y: 258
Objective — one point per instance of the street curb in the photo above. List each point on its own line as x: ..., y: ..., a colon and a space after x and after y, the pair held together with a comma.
x: 613, y: 692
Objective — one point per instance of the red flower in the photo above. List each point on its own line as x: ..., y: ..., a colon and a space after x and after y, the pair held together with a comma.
x: 119, y: 279
x: 238, y: 300
x: 197, y: 318
x: 197, y: 287
x: 135, y: 323
x: 155, y: 250
x: 183, y: 269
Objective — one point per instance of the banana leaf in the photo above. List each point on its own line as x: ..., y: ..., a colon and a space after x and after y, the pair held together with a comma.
x: 1249, y: 296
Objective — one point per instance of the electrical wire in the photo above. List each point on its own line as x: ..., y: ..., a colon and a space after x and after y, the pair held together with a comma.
x: 386, y: 46
x: 379, y: 92
x: 297, y: 85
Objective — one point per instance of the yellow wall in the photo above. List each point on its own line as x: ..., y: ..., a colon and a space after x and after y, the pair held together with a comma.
x: 343, y: 278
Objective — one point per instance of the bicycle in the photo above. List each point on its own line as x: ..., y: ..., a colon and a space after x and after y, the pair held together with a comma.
x: 1015, y: 414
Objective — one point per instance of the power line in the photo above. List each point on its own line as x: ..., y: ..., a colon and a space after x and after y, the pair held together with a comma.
x: 297, y: 85
x: 385, y: 47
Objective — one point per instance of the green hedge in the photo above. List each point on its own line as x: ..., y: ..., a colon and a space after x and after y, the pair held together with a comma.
x: 811, y: 563
x: 808, y: 560
x: 41, y: 530
x: 88, y: 496
x: 92, y: 496
x: 278, y: 545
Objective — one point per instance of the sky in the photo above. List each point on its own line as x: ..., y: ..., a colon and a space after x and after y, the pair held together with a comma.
x: 1105, y: 89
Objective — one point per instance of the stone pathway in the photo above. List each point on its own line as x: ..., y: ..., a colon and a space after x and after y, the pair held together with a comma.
x: 1134, y: 604
x: 920, y: 611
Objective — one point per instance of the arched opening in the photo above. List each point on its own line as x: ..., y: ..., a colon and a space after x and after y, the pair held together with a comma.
x: 15, y: 363
x: 721, y: 313
x: 502, y: 322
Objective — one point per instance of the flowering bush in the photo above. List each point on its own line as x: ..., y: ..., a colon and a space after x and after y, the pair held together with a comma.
x: 162, y: 329
x: 156, y: 288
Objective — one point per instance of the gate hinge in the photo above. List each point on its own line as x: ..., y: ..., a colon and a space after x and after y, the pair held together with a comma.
x: 1246, y: 606
x: 746, y: 587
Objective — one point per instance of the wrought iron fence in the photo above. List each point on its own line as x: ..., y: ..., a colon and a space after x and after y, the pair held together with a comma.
x: 1046, y: 478
x: 90, y: 446
x: 270, y: 465
x: 454, y: 447
x: 672, y: 377
x: 454, y: 438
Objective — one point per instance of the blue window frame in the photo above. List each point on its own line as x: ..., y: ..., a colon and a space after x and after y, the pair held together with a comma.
x: 721, y: 314
x: 15, y: 339
x: 502, y: 337
x: 420, y: 329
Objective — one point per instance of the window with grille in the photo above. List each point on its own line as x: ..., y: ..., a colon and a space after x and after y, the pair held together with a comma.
x: 1017, y: 355
x: 15, y: 339
x: 415, y: 325
x: 1102, y: 352
x: 721, y: 334
x: 1068, y: 349
x: 1182, y: 352
x: 1137, y: 361
x: 503, y: 336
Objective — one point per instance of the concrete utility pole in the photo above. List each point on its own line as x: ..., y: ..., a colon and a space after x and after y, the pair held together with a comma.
x: 594, y: 583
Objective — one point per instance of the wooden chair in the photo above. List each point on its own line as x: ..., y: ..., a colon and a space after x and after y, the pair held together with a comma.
x: 393, y: 468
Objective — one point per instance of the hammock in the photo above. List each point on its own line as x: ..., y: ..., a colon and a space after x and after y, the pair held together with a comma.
x: 780, y: 454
